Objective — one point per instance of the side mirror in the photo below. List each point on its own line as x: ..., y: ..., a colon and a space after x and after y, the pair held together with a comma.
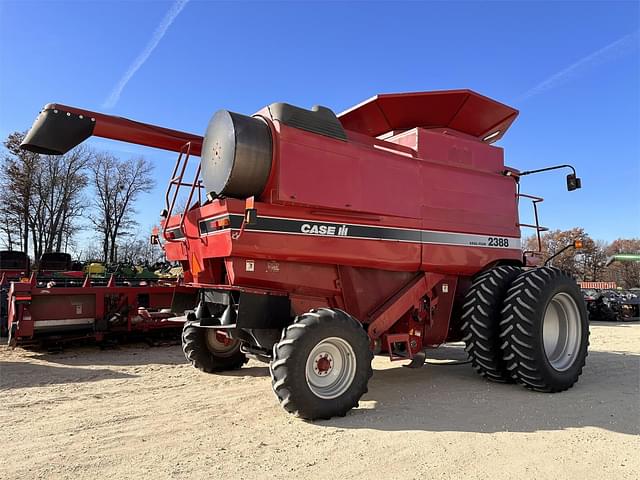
x: 573, y: 182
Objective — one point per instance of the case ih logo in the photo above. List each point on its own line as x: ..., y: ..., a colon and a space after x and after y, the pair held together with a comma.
x: 315, y: 229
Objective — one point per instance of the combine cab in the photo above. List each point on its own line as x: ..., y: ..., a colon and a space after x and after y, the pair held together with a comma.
x: 14, y: 265
x: 314, y: 241
x: 53, y: 263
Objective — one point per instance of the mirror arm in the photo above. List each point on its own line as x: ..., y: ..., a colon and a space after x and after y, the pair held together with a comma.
x: 573, y: 182
x: 539, y: 170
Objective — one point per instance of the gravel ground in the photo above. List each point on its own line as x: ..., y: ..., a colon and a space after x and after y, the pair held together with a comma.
x: 142, y: 412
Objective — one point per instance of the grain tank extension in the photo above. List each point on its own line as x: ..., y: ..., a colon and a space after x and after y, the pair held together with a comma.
x: 314, y: 241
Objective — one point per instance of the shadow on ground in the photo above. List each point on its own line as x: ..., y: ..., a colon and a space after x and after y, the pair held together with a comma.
x: 433, y: 398
x: 455, y: 398
x: 250, y: 371
x: 614, y: 324
x: 121, y: 355
x: 22, y: 375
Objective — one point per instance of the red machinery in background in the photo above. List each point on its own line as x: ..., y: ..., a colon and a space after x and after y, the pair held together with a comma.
x: 63, y: 309
x: 52, y: 263
x: 313, y: 241
x: 14, y: 264
x: 59, y: 305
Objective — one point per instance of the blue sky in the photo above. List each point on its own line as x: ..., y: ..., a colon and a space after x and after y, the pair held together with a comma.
x: 571, y: 68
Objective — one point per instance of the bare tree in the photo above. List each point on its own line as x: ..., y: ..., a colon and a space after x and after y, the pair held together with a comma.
x: 18, y: 171
x: 117, y: 185
x: 140, y: 252
x: 41, y: 196
x: 10, y: 224
x: 59, y: 201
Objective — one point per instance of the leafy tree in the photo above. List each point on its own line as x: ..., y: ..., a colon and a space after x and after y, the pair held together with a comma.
x: 555, y: 240
x: 593, y: 261
x: 625, y: 274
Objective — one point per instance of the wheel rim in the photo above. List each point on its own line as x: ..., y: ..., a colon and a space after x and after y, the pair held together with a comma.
x: 562, y: 331
x: 220, y: 345
x: 330, y: 368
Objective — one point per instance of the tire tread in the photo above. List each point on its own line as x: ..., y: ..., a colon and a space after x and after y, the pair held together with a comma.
x: 481, y: 312
x: 521, y: 317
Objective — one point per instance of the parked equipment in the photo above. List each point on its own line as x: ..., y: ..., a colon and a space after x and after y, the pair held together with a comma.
x: 55, y: 310
x: 53, y: 262
x: 613, y: 305
x: 14, y: 265
x: 314, y: 241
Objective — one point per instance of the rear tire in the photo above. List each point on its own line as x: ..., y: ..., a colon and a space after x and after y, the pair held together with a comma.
x: 208, y: 353
x: 481, y: 317
x: 545, y: 330
x: 321, y: 365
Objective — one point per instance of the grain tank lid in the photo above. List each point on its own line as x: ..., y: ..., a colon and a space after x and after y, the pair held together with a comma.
x: 462, y: 110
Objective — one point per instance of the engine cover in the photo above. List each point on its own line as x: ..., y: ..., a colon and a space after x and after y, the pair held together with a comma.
x: 236, y: 155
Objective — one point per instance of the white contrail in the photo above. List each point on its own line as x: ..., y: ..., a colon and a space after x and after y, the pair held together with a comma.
x: 164, y: 25
x: 614, y: 50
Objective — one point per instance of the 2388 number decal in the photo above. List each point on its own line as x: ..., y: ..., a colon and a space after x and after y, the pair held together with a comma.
x: 498, y: 242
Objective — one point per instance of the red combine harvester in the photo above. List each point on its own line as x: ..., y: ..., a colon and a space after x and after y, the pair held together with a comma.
x: 314, y: 241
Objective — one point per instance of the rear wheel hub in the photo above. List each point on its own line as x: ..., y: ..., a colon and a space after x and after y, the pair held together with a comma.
x: 561, y: 331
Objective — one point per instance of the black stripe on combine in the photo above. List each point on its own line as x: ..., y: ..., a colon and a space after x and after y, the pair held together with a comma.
x: 328, y: 229
x: 368, y: 232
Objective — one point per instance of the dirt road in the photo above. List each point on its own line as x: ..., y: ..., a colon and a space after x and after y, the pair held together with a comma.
x: 142, y: 412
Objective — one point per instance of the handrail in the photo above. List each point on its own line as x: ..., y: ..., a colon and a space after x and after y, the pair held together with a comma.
x: 196, y: 182
x: 174, y: 179
x: 534, y: 200
x: 177, y: 182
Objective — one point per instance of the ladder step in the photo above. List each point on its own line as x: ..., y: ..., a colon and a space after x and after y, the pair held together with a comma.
x: 399, y: 338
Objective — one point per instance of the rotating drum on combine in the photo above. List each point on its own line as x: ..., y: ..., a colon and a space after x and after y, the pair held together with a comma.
x: 314, y: 241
